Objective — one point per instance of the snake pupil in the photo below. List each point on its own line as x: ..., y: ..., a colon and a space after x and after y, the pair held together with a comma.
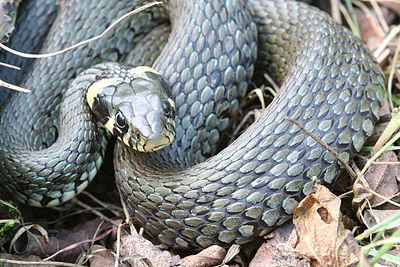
x: 166, y: 107
x: 120, y: 120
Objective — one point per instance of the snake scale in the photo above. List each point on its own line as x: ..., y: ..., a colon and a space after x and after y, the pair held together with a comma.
x: 181, y: 195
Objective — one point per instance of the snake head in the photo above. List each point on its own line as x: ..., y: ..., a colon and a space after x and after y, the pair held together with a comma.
x: 134, y: 105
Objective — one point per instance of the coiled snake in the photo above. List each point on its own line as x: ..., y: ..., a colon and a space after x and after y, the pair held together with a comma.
x: 328, y: 83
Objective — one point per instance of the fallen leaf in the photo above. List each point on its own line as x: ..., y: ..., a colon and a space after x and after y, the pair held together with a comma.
x: 394, y: 6
x: 65, y: 240
x: 210, y: 256
x: 375, y: 216
x: 383, y: 178
x: 101, y: 257
x: 135, y: 250
x: 320, y: 231
x: 279, y: 250
x: 370, y: 30
x: 13, y: 259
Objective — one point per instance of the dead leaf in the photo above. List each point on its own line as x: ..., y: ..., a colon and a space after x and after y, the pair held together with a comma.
x: 375, y: 216
x: 101, y: 257
x: 320, y: 231
x: 210, y: 256
x: 370, y: 30
x: 382, y: 178
x: 13, y: 259
x: 137, y: 251
x: 394, y: 6
x: 279, y: 250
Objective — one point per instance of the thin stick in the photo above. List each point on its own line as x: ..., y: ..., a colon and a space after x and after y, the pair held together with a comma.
x: 381, y: 17
x: 107, y: 206
x: 118, y: 245
x: 322, y: 143
x: 106, y: 233
x: 9, y: 66
x: 392, y: 72
x: 272, y: 82
x: 93, y: 210
x: 109, y: 28
x: 385, y: 163
x: 14, y: 87
x: 392, y: 34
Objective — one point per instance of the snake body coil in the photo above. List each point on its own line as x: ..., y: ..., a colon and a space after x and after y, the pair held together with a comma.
x: 328, y: 83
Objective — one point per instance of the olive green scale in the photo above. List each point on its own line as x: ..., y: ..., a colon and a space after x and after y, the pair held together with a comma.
x: 181, y: 196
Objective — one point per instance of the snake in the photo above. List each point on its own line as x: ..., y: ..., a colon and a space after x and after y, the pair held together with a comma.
x: 190, y: 194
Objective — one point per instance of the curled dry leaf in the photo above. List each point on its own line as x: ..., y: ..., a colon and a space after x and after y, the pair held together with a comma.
x: 393, y: 5
x: 375, y: 216
x: 210, y: 256
x: 279, y: 250
x: 13, y: 259
x: 320, y: 231
x: 101, y: 256
x: 135, y: 250
x: 383, y: 178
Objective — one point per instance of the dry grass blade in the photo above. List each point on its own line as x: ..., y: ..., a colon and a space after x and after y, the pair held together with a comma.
x: 392, y: 71
x: 9, y: 66
x: 389, y: 37
x: 335, y: 11
x: 13, y: 87
x: 109, y: 28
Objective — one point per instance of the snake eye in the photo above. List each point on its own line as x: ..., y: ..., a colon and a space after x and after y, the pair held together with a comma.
x: 166, y: 106
x: 120, y: 120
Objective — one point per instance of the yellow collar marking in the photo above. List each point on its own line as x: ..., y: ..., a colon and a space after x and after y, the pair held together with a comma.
x: 96, y: 88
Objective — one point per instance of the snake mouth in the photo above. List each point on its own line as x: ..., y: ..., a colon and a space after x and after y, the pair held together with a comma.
x: 154, y: 144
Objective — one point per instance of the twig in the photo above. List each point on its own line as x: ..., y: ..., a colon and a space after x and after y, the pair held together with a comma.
x: 335, y: 11
x: 98, y: 213
x: 392, y: 34
x: 9, y: 66
x: 118, y: 245
x: 373, y: 21
x: 107, y: 206
x: 381, y: 17
x: 109, y: 28
x: 272, y: 82
x: 80, y: 243
x: 13, y: 87
x: 391, y: 75
x: 385, y: 163
x: 322, y: 143
x: 242, y: 122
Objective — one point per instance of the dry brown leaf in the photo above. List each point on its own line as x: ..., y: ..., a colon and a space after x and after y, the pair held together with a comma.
x: 135, y: 250
x: 369, y: 26
x: 375, y: 216
x: 394, y: 6
x: 279, y: 250
x: 210, y: 256
x: 320, y: 231
x: 14, y: 259
x: 101, y: 257
x: 383, y: 178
